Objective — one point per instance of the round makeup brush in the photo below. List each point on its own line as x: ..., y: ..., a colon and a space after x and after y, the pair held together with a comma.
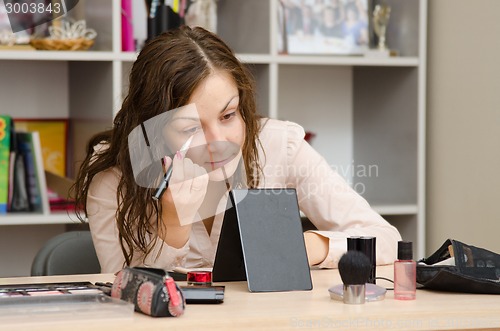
x: 354, y: 269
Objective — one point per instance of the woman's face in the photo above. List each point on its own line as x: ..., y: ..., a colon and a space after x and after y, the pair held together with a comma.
x: 212, y: 117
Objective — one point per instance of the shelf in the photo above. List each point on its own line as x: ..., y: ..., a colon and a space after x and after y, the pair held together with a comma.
x: 310, y: 60
x: 348, y: 60
x: 390, y: 210
x: 63, y: 218
x: 396, y: 209
x: 38, y: 219
x: 127, y: 56
x: 366, y: 110
x: 247, y: 58
x: 58, y: 55
x: 256, y: 58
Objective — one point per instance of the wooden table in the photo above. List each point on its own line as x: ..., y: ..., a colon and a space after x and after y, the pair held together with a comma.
x: 294, y: 310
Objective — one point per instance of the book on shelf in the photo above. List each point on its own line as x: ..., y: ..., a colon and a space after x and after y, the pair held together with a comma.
x: 18, y: 187
x: 12, y: 163
x: 58, y: 188
x: 30, y: 150
x: 134, y: 16
x: 128, y: 44
x: 33, y: 165
x: 5, y: 136
x: 53, y: 138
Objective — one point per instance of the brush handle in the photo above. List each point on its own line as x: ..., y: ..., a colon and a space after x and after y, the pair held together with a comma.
x: 164, y: 183
x: 354, y: 294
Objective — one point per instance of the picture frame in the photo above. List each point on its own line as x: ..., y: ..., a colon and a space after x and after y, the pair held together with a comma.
x: 53, y: 139
x: 337, y: 27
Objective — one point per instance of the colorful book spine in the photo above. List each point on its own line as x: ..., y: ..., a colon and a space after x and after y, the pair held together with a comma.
x: 5, y: 128
x: 53, y: 136
x: 128, y: 44
x: 40, y: 173
x: 20, y: 198
x: 29, y: 147
x: 25, y: 149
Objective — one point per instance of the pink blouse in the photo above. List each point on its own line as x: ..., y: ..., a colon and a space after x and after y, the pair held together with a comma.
x: 289, y: 161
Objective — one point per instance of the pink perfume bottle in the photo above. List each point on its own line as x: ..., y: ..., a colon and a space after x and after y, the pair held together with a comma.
x: 405, y: 273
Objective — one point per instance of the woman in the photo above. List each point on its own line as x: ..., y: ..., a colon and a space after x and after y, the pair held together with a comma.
x: 191, y: 78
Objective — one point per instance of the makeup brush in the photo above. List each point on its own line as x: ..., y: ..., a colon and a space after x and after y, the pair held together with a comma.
x: 166, y: 178
x: 354, y: 269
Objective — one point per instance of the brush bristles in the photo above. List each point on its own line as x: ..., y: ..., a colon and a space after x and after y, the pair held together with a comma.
x: 354, y: 268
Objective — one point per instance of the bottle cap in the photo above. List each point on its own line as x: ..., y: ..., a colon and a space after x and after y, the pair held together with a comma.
x: 405, y: 250
x: 203, y: 278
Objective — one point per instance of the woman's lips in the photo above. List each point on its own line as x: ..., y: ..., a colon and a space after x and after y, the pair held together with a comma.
x: 220, y: 163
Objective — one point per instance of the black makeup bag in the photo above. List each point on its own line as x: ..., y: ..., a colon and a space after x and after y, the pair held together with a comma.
x: 457, y: 267
x: 152, y: 291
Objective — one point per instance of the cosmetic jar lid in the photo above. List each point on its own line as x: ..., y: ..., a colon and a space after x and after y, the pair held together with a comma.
x: 203, y: 278
x: 405, y: 250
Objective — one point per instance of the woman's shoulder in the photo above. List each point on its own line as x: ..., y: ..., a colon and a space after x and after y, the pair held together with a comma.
x: 99, y: 149
x: 272, y: 128
x: 281, y: 137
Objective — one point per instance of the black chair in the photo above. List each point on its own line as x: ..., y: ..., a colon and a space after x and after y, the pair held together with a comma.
x: 68, y: 253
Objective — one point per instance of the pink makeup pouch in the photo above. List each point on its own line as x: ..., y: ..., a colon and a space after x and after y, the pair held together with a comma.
x: 152, y: 291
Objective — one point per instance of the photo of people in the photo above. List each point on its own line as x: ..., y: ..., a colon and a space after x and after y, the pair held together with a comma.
x: 325, y: 26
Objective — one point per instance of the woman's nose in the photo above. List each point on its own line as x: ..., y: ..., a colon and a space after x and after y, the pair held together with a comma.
x: 213, y: 134
x: 214, y: 139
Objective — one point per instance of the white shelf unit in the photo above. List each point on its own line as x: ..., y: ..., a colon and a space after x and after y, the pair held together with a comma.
x: 368, y: 113
x: 365, y: 111
x: 79, y: 86
x: 36, y: 219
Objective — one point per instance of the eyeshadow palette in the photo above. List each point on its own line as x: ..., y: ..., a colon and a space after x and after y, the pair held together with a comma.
x: 49, y: 302
x: 48, y: 289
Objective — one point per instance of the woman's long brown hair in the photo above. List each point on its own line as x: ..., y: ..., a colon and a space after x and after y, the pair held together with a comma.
x: 164, y: 76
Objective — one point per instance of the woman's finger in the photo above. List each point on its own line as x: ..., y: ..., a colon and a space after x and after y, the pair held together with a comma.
x: 166, y: 162
x: 200, y: 180
x: 178, y: 169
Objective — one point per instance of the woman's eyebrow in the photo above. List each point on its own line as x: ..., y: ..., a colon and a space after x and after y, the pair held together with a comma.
x: 227, y: 104
x: 194, y: 118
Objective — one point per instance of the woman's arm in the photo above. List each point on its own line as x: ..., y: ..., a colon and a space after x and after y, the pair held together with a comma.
x: 332, y: 205
x: 316, y: 247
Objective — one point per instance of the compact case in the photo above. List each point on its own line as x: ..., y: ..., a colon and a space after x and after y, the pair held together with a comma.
x: 372, y: 292
x: 152, y: 291
x: 457, y: 267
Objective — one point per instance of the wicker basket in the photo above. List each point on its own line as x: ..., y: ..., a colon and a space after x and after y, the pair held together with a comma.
x: 62, y: 44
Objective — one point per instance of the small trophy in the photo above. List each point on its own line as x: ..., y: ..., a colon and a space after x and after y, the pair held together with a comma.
x: 381, y: 15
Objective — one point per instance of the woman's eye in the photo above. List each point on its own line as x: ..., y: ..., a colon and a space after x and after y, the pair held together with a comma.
x: 228, y: 116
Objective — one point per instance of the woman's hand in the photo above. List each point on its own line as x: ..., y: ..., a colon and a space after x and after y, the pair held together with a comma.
x: 182, y: 199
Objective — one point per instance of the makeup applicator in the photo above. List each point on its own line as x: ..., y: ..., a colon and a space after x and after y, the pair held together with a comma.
x: 354, y: 269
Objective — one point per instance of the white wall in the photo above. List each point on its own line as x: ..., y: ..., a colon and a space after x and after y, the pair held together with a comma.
x: 463, y: 123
